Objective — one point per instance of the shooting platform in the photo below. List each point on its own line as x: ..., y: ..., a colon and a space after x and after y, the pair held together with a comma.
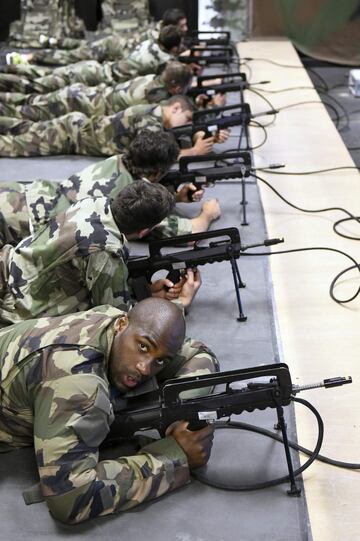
x: 316, y: 335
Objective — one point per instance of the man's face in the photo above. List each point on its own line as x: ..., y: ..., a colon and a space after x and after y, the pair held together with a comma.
x: 183, y: 26
x: 179, y: 116
x: 137, y: 353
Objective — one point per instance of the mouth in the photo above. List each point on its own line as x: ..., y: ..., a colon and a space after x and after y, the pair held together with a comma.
x: 130, y: 381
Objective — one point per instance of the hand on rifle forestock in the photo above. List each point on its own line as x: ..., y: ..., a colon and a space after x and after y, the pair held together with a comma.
x: 221, y: 136
x: 166, y: 289
x: 196, y: 444
x: 190, y: 288
x: 184, y: 290
x: 202, y: 144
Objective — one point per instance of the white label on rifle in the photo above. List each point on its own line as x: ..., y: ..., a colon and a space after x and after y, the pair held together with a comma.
x: 207, y: 415
x: 210, y: 92
x: 178, y: 266
x: 200, y: 179
x: 213, y: 128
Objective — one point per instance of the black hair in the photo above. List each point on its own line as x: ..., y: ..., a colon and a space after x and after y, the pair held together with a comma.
x: 169, y: 37
x: 173, y: 16
x: 141, y: 205
x: 151, y: 153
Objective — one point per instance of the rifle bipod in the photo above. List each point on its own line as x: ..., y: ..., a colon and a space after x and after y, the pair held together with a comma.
x: 238, y: 283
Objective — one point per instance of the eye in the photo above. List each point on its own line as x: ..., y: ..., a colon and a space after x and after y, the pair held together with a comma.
x: 159, y: 363
x: 143, y: 347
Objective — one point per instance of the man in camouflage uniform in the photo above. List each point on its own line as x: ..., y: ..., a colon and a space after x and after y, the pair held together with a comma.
x: 147, y: 58
x: 75, y: 133
x: 78, y: 260
x: 62, y: 378
x: 53, y: 17
x: 27, y: 207
x: 100, y: 100
x: 113, y: 47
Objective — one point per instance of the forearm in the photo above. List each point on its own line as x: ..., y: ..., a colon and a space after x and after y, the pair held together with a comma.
x: 119, y: 485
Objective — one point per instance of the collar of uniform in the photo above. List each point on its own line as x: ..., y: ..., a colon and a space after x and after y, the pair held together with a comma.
x: 148, y: 386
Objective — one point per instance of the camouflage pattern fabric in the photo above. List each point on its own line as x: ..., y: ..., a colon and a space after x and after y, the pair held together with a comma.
x: 108, y: 48
x: 75, y: 133
x: 147, y: 58
x: 27, y: 207
x: 124, y: 15
x: 54, y: 18
x: 92, y: 101
x: 56, y: 395
x: 75, y: 262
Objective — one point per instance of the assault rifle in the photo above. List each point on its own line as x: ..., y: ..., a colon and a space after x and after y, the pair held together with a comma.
x: 216, y: 55
x: 231, y: 77
x: 211, y: 90
x: 210, y: 121
x: 217, y: 113
x: 176, y: 401
x: 206, y: 176
x: 227, y: 248
x: 203, y: 38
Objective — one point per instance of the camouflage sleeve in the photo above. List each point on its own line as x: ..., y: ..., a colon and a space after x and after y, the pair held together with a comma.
x: 172, y: 226
x: 106, y: 279
x: 194, y: 359
x: 72, y: 414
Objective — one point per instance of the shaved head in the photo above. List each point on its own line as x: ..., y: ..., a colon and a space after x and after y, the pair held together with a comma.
x: 160, y: 318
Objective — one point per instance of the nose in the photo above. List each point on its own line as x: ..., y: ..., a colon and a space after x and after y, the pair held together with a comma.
x: 144, y: 367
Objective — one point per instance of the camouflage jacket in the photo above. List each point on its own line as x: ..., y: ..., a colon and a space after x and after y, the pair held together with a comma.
x: 142, y: 89
x: 45, y: 198
x: 146, y: 58
x: 78, y: 260
x: 118, y: 130
x: 55, y: 394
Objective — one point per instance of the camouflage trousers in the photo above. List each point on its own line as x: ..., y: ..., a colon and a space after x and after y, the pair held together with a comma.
x: 34, y: 43
x: 110, y: 48
x: 40, y: 80
x: 73, y: 133
x: 14, y: 216
x: 92, y: 101
x: 17, y: 222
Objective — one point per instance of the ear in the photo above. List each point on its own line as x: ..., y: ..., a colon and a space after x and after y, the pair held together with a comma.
x: 175, y: 107
x: 176, y: 89
x: 121, y: 323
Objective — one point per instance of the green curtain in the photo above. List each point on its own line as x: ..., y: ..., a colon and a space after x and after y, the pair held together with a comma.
x: 325, y: 29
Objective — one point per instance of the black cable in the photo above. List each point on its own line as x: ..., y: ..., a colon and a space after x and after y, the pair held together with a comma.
x: 316, y: 171
x: 249, y: 59
x: 340, y: 106
x: 272, y: 108
x: 283, y: 89
x: 265, y: 135
x: 315, y: 211
x: 256, y: 486
x: 322, y: 248
x: 321, y: 79
x: 295, y: 446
